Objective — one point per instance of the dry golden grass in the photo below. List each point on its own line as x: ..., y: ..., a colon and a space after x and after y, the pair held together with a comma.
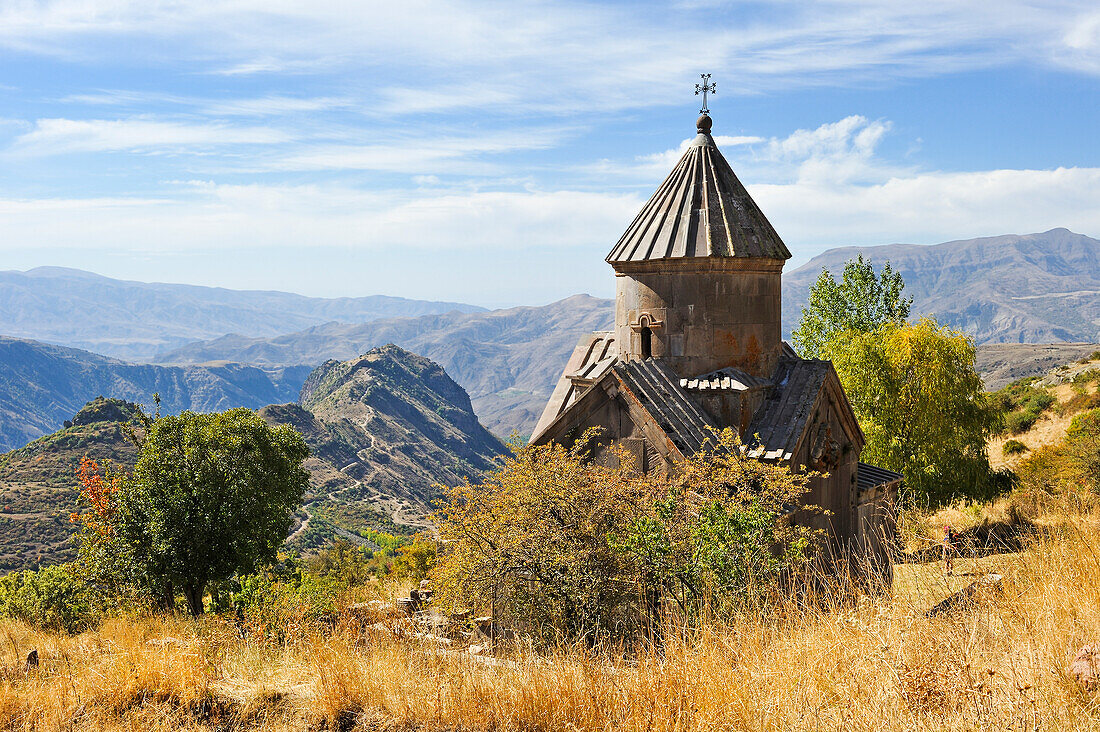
x: 877, y: 664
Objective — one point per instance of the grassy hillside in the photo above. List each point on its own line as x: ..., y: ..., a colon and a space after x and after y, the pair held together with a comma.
x: 1040, y: 409
x: 38, y: 486
x: 878, y: 664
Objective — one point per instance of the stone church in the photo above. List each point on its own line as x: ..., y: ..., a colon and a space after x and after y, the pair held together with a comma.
x: 697, y: 344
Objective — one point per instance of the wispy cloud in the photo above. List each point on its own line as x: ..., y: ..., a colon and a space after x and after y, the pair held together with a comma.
x: 55, y: 136
x: 421, y: 154
x: 567, y: 55
x: 274, y: 105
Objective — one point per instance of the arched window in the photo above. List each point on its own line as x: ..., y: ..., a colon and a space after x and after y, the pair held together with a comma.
x: 647, y: 341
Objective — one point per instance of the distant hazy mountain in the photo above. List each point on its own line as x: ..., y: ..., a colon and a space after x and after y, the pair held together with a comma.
x: 1034, y: 288
x: 508, y: 360
x: 134, y: 320
x: 41, y: 385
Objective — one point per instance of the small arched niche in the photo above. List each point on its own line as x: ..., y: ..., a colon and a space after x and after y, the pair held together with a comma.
x: 645, y: 337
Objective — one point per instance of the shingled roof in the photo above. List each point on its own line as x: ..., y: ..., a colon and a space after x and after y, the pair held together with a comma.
x: 778, y: 425
x: 658, y: 391
x: 701, y: 210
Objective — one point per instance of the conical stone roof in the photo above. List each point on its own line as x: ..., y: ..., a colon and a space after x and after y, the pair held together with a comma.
x: 701, y: 210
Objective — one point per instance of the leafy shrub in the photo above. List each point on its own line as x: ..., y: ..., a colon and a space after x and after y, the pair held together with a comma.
x: 1018, y: 422
x: 1021, y: 404
x: 415, y: 560
x: 53, y: 598
x: 560, y: 545
x: 344, y: 561
x: 1013, y: 447
x: 1084, y: 425
x: 278, y: 609
x: 1029, y: 412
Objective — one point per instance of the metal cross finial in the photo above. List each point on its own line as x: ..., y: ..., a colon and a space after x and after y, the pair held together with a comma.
x: 703, y: 88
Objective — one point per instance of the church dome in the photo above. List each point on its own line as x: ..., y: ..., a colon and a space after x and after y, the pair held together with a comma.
x: 701, y: 210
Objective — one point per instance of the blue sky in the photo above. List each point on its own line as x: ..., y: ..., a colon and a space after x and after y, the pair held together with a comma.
x: 493, y: 152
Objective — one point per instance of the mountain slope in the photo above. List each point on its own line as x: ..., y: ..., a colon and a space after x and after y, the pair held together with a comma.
x: 508, y: 360
x: 38, y: 484
x: 134, y: 320
x: 384, y: 429
x: 1002, y: 363
x: 1034, y: 288
x: 41, y: 385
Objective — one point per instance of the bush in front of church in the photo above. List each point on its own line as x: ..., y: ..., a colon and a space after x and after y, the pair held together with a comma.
x: 560, y: 546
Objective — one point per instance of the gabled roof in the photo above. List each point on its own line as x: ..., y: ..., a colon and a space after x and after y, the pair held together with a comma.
x: 592, y: 356
x: 779, y: 424
x: 701, y: 210
x: 657, y: 390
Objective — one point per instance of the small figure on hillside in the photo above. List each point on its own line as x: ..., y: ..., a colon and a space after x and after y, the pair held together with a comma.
x: 950, y: 548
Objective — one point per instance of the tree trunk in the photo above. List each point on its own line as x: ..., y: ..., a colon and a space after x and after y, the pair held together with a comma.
x: 168, y: 598
x: 193, y: 593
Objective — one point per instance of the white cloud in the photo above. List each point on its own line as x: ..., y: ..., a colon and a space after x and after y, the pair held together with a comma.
x: 53, y: 136
x: 810, y: 215
x: 931, y: 207
x: 422, y: 154
x: 834, y: 152
x: 216, y: 216
x: 562, y: 56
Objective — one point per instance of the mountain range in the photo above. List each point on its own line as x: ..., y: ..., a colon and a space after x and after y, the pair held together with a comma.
x: 384, y: 430
x: 135, y: 320
x: 508, y: 360
x: 42, y: 385
x: 1030, y: 288
x: 1033, y: 288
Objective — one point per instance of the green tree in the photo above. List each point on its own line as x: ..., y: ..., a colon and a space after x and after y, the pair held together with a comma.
x: 719, y: 532
x: 415, y: 560
x: 531, y: 543
x: 211, y: 496
x: 921, y: 406
x: 861, y: 302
